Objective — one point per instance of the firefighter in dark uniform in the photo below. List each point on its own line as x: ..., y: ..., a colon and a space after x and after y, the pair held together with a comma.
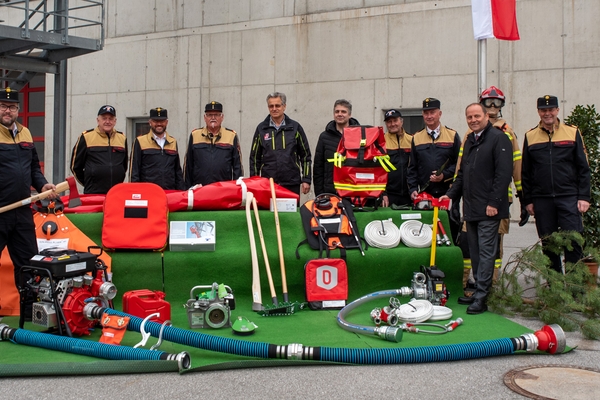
x: 556, y: 177
x: 432, y: 148
x: 398, y: 144
x: 213, y: 152
x: 99, y: 158
x: 21, y: 170
x: 280, y: 149
x: 155, y: 157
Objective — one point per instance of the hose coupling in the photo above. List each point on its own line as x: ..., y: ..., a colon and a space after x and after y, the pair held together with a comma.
x: 389, y: 333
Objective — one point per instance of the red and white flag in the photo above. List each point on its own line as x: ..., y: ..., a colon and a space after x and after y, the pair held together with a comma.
x: 495, y: 19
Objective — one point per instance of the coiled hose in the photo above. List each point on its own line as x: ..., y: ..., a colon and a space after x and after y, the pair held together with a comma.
x: 416, y: 234
x: 88, y: 348
x: 297, y: 351
x: 383, y: 234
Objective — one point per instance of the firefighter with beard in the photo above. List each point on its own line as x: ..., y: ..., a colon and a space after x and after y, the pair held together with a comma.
x: 21, y: 170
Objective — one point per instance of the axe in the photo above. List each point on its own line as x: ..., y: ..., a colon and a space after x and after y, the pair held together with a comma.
x: 69, y: 184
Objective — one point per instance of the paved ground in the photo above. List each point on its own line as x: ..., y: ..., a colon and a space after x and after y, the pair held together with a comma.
x: 470, y: 379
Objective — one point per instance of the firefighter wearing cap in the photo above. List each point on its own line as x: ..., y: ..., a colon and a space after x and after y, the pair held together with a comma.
x: 21, y: 170
x: 155, y: 157
x: 493, y: 100
x: 398, y: 143
x: 556, y: 177
x: 99, y: 159
x: 432, y: 148
x: 213, y: 152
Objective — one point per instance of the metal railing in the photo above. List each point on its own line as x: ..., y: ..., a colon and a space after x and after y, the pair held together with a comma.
x: 62, y: 18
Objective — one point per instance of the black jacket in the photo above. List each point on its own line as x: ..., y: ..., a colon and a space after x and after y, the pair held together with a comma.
x: 19, y: 166
x: 398, y: 148
x: 327, y: 145
x: 150, y: 163
x: 555, y: 165
x: 427, y: 155
x: 212, y: 158
x: 484, y: 175
x: 282, y: 154
x: 99, y: 161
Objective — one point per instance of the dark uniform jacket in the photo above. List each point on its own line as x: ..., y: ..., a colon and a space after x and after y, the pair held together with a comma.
x: 19, y: 166
x: 212, y: 158
x: 150, y: 163
x: 555, y: 164
x: 99, y: 161
x: 484, y: 175
x: 326, y: 148
x: 429, y: 155
x: 282, y: 154
x: 398, y: 148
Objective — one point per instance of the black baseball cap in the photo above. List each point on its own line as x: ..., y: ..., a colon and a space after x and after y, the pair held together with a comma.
x: 158, y: 113
x: 547, y: 102
x: 107, y: 110
x: 8, y: 95
x: 393, y: 113
x: 214, y: 106
x: 431, y: 103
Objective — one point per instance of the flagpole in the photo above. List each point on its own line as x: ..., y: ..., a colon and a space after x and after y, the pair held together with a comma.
x: 481, y: 65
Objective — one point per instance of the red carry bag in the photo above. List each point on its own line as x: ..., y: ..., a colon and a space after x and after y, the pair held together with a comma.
x: 326, y: 283
x: 135, y: 217
x: 361, y: 164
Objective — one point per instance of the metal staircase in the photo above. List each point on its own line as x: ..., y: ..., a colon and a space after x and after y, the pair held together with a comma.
x: 36, y: 36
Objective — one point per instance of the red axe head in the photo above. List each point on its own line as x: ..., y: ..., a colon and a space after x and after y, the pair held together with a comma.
x: 74, y: 200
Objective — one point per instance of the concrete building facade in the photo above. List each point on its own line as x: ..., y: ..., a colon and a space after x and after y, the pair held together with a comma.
x: 379, y: 54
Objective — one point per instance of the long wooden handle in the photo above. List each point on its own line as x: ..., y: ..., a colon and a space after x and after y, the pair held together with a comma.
x: 279, y: 243
x: 256, y: 296
x: 61, y: 187
x: 264, y: 252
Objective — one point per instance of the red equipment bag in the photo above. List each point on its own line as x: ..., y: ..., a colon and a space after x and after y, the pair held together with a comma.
x: 326, y: 283
x: 135, y: 217
x: 361, y: 164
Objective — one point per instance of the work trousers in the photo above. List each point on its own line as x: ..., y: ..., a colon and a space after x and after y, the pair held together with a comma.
x: 17, y: 232
x: 483, y: 246
x: 558, y: 213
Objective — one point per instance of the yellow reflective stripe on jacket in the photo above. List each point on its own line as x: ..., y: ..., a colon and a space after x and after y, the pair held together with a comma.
x: 519, y: 186
x: 517, y: 155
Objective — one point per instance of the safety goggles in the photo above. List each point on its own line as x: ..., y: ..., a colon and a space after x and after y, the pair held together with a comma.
x: 493, y: 102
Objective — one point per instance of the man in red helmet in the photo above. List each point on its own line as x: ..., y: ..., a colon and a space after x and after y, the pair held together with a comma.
x: 493, y: 100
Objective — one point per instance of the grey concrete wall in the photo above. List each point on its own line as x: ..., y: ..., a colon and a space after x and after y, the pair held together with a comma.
x: 181, y: 54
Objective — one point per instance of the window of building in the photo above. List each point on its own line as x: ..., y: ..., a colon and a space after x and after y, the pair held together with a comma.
x: 412, y: 117
x: 32, y: 112
x: 137, y: 127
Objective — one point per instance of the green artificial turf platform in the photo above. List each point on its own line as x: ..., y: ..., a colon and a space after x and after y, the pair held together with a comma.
x: 230, y: 264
